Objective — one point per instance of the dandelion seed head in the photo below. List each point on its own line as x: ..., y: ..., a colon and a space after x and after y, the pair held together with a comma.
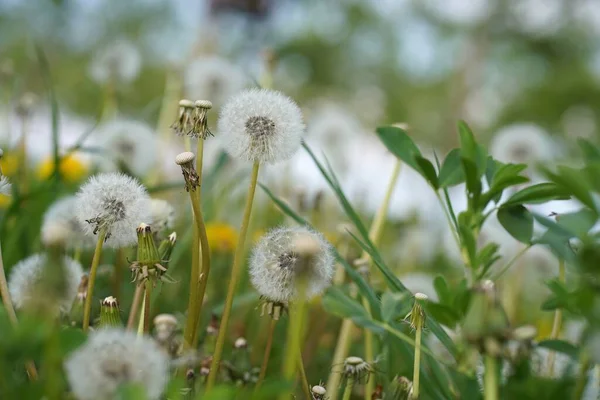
x: 119, y: 61
x: 213, y: 78
x: 185, y: 158
x: 126, y: 143
x: 26, y: 275
x: 356, y: 367
x: 275, y: 266
x: 61, y: 224
x: 162, y: 216
x: 318, y: 390
x: 112, y: 357
x: 5, y: 186
x: 115, y: 202
x: 522, y: 143
x: 421, y: 296
x: 261, y: 125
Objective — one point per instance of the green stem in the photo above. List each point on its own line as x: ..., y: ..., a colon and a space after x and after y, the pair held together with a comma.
x: 118, y: 273
x: 92, y: 279
x: 141, y: 321
x: 449, y: 220
x: 490, y: 378
x: 135, y: 305
x: 511, y: 262
x: 77, y: 254
x: 341, y: 350
x: 557, y: 324
x: 191, y: 322
x: 235, y: 275
x: 147, y: 302
x: 303, y: 378
x: 417, y: 364
x: 582, y: 377
x: 348, y: 389
x: 267, y: 355
x: 294, y: 339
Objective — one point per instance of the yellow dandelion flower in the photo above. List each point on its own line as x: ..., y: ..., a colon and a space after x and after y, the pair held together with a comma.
x: 71, y: 168
x: 9, y: 164
x: 4, y: 201
x: 221, y: 237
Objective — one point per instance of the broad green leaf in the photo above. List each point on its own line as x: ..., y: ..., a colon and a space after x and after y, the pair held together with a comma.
x: 336, y: 302
x: 391, y: 304
x: 486, y: 257
x: 442, y: 290
x: 579, y: 222
x: 589, y: 150
x: 517, y: 221
x: 540, y: 193
x: 468, y: 144
x: 467, y: 238
x: 472, y: 178
x: 428, y: 171
x: 571, y: 181
x: 490, y: 169
x: 561, y: 346
x: 451, y: 173
x: 443, y: 314
x: 400, y: 144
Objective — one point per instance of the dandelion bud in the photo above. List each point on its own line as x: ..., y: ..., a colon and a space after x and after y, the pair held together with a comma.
x: 185, y: 121
x: 356, y: 368
x: 113, y: 357
x: 261, y: 126
x: 109, y: 313
x: 200, y: 120
x: 165, y: 326
x: 240, y: 343
x: 76, y: 313
x: 288, y: 260
x: 416, y: 316
x: 186, y: 161
x: 318, y: 392
x: 166, y: 248
x: 148, y: 264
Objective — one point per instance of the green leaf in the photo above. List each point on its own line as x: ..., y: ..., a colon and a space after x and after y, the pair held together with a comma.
x: 467, y: 237
x: 589, y: 150
x: 391, y: 304
x: 428, y: 171
x: 451, y: 173
x: 540, y: 193
x: 400, y: 144
x: 487, y: 256
x: 443, y: 314
x: 468, y: 144
x: 579, y: 222
x: 442, y: 290
x: 472, y: 178
x: 517, y: 221
x: 571, y: 181
x: 336, y: 302
x: 561, y: 346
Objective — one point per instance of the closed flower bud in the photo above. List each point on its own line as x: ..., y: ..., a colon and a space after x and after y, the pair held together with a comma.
x: 148, y: 264
x: 110, y: 313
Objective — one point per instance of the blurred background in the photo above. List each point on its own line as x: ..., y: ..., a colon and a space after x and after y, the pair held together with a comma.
x: 525, y: 75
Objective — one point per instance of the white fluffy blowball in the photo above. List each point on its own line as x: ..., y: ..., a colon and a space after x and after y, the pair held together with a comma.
x: 274, y: 266
x: 61, y: 225
x: 26, y: 274
x: 162, y: 217
x: 112, y: 357
x: 115, y: 202
x: 129, y: 143
x: 523, y: 143
x: 261, y: 125
x: 213, y: 78
x: 119, y: 61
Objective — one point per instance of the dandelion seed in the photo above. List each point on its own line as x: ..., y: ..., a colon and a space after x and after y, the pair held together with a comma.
x: 165, y: 326
x: 5, y: 186
x: 277, y: 264
x: 524, y: 143
x: 113, y: 357
x: 61, y: 225
x: 27, y: 275
x: 162, y: 217
x: 127, y: 145
x: 115, y: 202
x: 119, y: 61
x: 261, y: 126
x: 213, y: 78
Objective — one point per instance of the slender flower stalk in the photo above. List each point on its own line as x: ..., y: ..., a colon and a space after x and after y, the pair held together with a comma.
x: 348, y: 388
x: 147, y: 302
x: 267, y: 354
x: 303, y: 378
x: 490, y: 379
x: 344, y: 337
x: 355, y: 369
x: 87, y: 308
x: 582, y: 378
x: 235, y: 275
x: 417, y: 321
x: 557, y: 324
x: 135, y: 305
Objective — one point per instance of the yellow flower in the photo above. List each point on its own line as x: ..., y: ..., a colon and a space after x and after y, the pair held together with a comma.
x: 9, y: 164
x: 71, y: 168
x: 4, y: 201
x: 221, y: 237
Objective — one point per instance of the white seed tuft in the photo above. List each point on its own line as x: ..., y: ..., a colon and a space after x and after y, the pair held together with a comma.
x: 162, y: 217
x: 5, y: 185
x: 261, y: 125
x: 319, y: 390
x: 115, y: 202
x: 119, y: 61
x: 27, y: 274
x: 274, y: 266
x: 523, y: 143
x: 126, y: 144
x: 186, y: 103
x: 61, y: 225
x: 184, y: 158
x: 203, y: 104
x: 213, y: 78
x: 112, y: 357
x: 421, y: 296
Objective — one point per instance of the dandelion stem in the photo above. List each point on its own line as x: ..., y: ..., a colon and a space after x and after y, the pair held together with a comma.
x: 557, y: 324
x: 348, y: 389
x: 265, y: 362
x: 417, y: 364
x: 303, y: 378
x: 140, y: 327
x: 118, y: 273
x: 341, y: 351
x: 77, y: 254
x: 191, y: 321
x: 147, y: 302
x: 12, y: 315
x: 92, y: 279
x: 135, y: 305
x: 582, y: 378
x: 294, y: 338
x: 235, y: 275
x: 490, y: 378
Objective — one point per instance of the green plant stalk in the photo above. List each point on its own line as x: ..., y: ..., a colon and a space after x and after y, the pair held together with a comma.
x: 135, y: 305
x: 235, y: 276
x: 341, y: 350
x: 417, y: 364
x: 141, y: 321
x: 118, y: 273
x: 147, y: 302
x: 87, y: 310
x: 267, y: 355
x: 511, y: 262
x: 490, y: 378
x: 582, y: 377
x: 191, y: 321
x: 557, y: 324
x: 303, y: 378
x: 294, y: 340
x: 109, y: 107
x: 348, y: 389
x: 203, y: 239
x: 169, y: 103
